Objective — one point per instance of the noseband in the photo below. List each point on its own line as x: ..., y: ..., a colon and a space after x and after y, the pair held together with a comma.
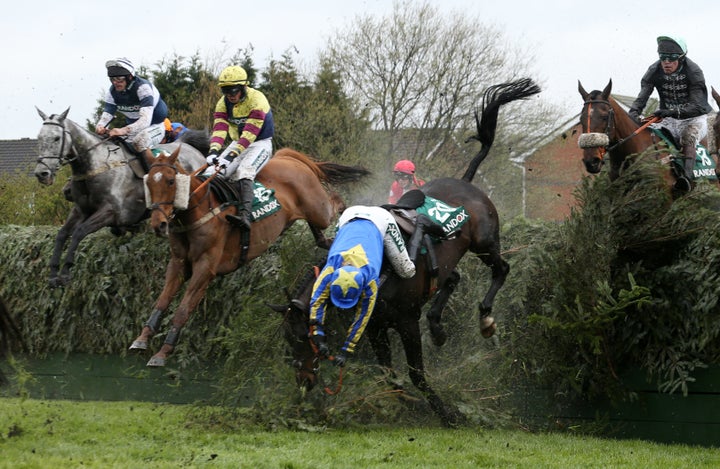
x: 61, y: 159
x: 158, y: 205
x: 599, y: 140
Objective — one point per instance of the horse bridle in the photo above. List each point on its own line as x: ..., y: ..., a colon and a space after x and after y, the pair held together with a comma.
x: 171, y: 217
x: 61, y: 159
x: 599, y: 140
x: 593, y: 137
x: 158, y: 205
x: 73, y: 150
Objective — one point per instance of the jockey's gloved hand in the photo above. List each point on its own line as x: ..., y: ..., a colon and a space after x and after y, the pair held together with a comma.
x: 212, y: 158
x: 340, y: 360
x: 321, y: 345
x: 664, y: 113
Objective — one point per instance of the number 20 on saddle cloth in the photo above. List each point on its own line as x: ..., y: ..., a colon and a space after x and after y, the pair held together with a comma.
x: 704, y: 165
x: 429, y: 224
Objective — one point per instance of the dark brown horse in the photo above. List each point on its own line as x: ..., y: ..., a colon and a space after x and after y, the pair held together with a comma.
x: 203, y: 244
x: 400, y: 300
x: 609, y: 130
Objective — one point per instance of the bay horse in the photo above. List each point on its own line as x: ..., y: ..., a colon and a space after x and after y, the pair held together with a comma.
x: 202, y: 242
x: 607, y: 129
x: 104, y: 188
x: 400, y: 300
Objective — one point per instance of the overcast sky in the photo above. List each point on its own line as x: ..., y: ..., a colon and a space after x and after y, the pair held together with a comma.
x: 54, y: 52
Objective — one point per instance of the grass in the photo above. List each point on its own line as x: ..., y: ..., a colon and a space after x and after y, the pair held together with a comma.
x: 70, y: 434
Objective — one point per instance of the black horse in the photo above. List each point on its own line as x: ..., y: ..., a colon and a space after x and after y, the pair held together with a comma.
x: 400, y: 300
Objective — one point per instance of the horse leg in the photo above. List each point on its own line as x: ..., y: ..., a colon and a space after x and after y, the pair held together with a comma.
x: 174, y: 278
x: 94, y: 222
x: 321, y: 240
x: 434, y: 315
x: 412, y: 343
x: 61, y: 238
x: 197, y: 286
x: 500, y: 270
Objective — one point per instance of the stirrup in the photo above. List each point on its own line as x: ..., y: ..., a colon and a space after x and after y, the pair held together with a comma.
x: 683, y: 184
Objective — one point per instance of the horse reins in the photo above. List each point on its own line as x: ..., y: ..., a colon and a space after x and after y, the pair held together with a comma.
x: 74, y: 151
x: 644, y: 126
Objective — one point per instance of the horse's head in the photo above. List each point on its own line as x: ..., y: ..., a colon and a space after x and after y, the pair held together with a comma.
x: 295, y: 314
x: 305, y: 358
x: 598, y: 127
x: 54, y: 146
x: 166, y: 188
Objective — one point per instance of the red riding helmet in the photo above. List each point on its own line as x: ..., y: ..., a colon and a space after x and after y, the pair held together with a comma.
x: 404, y: 166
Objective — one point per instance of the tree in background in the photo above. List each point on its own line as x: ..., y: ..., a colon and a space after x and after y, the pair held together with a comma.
x: 419, y: 75
x: 315, y: 116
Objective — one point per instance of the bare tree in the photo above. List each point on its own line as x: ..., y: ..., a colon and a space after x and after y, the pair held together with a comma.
x: 420, y: 69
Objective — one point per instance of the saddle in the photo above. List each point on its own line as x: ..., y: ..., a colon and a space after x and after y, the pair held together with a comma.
x: 416, y: 226
x: 138, y: 164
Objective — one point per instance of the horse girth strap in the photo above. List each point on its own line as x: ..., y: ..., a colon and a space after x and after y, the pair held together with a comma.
x: 97, y: 171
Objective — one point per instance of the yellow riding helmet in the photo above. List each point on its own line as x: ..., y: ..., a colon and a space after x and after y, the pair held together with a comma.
x: 233, y: 75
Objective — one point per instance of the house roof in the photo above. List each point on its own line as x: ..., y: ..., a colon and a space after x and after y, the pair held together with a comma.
x: 18, y: 155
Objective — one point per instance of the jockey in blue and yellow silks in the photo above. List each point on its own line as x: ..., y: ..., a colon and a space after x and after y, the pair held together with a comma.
x: 350, y: 275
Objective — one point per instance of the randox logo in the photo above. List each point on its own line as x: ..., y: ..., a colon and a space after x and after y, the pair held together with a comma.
x: 396, y: 235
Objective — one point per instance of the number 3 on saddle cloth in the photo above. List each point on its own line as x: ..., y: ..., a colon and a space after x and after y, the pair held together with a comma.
x: 704, y: 165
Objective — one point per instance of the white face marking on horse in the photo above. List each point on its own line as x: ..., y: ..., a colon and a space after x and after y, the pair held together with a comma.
x: 157, y: 177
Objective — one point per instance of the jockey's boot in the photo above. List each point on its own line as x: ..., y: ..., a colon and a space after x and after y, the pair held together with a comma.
x: 242, y: 219
x: 689, y: 152
x: 423, y: 225
x: 684, y: 182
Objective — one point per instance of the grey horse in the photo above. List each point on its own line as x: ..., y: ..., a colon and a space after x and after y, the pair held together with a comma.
x: 106, y: 187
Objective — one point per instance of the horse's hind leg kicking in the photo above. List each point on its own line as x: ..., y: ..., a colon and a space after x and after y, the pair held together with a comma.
x: 500, y: 270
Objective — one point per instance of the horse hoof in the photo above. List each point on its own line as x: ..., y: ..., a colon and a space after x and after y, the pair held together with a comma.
x: 156, y: 362
x: 487, y: 327
x: 138, y: 345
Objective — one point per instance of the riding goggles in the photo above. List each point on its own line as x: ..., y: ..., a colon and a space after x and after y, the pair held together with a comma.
x: 231, y: 90
x: 399, y: 175
x: 670, y: 57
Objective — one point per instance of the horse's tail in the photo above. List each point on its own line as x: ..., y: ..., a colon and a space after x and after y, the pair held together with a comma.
x: 333, y: 173
x: 198, y: 139
x: 494, y: 97
x: 341, y: 174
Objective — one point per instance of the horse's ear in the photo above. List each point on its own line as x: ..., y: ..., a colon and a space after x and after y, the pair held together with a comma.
x: 42, y: 114
x: 64, y: 114
x: 715, y: 95
x: 582, y: 91
x: 149, y: 157
x: 607, y: 90
x: 175, y: 154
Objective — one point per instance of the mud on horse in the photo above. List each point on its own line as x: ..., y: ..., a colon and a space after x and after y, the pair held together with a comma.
x: 202, y: 242
x: 400, y: 300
